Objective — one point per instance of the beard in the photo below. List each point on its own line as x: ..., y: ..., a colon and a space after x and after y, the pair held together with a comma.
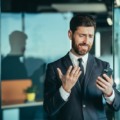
x: 78, y: 49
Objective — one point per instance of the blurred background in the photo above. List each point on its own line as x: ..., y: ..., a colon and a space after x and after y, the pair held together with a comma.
x: 34, y: 33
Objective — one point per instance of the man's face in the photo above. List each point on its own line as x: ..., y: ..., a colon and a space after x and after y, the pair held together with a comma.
x: 82, y: 40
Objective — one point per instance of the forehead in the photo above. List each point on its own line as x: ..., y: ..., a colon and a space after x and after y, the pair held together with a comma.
x: 83, y: 29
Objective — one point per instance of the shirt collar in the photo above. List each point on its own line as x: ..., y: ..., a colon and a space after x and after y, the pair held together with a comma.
x: 74, y: 57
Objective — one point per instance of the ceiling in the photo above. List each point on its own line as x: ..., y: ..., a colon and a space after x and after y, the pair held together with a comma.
x: 100, y: 9
x: 33, y: 5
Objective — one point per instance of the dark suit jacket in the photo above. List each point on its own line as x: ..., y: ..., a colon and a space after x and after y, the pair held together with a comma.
x: 86, y: 106
x: 13, y: 68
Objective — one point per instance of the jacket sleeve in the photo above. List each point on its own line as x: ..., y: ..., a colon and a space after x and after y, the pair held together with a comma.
x: 116, y: 103
x: 52, y: 98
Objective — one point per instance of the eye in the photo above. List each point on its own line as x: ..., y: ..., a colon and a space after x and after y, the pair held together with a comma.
x: 91, y: 36
x: 81, y: 35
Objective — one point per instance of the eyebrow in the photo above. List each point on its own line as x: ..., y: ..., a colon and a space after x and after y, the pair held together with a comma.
x: 86, y: 34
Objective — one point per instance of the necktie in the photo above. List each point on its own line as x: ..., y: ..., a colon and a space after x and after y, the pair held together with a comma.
x: 81, y: 78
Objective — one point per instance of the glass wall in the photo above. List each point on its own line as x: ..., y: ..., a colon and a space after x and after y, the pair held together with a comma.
x: 26, y: 52
x: 46, y: 35
x: 117, y: 52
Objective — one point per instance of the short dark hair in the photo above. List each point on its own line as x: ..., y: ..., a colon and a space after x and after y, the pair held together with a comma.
x: 82, y: 20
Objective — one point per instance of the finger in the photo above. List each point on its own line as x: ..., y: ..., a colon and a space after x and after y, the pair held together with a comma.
x: 107, y: 78
x: 69, y: 70
x: 59, y: 73
x: 98, y: 86
x: 77, y: 71
x: 76, y: 78
x: 104, y: 83
x: 78, y: 75
x: 103, y: 80
x: 73, y: 71
x: 100, y: 83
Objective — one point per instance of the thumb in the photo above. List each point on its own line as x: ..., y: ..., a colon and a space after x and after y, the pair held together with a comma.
x: 59, y: 73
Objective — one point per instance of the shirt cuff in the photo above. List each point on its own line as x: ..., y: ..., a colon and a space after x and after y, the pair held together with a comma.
x: 110, y: 99
x: 64, y: 94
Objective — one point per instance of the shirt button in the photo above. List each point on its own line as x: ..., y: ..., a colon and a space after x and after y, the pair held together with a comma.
x: 84, y: 106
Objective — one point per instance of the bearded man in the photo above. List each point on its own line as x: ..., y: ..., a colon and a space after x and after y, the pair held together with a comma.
x: 74, y: 85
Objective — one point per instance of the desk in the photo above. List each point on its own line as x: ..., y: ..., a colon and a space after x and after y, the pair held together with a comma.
x: 12, y: 111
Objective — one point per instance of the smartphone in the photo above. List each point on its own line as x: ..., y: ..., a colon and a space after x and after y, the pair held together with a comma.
x: 108, y: 72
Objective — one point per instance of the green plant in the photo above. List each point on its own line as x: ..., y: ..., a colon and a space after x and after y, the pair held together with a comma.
x: 31, y: 89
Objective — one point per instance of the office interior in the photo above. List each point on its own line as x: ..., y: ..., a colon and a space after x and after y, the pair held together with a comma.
x: 44, y: 25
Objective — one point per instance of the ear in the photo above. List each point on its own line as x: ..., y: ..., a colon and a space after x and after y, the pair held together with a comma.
x: 70, y: 34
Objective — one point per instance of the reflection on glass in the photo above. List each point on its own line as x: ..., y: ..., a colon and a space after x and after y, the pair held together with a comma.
x: 9, y: 23
x: 117, y: 51
x: 46, y: 34
x: 12, y: 67
x: 117, y: 44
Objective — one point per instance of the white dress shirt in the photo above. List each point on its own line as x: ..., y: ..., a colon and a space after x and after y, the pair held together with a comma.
x: 75, y: 62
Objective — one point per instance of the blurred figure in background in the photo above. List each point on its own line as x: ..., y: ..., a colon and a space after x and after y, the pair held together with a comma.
x: 15, y: 66
x: 12, y: 66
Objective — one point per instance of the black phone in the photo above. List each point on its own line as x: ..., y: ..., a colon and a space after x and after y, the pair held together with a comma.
x: 108, y: 72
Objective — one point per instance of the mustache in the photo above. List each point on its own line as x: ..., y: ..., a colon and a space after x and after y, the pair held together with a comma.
x: 84, y: 44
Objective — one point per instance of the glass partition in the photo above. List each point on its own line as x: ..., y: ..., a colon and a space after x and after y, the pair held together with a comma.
x: 117, y: 52
x: 26, y: 53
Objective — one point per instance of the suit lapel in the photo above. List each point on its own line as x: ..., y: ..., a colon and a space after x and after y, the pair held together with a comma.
x: 89, y: 70
x: 67, y: 61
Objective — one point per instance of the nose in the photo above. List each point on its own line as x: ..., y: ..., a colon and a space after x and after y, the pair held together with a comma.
x: 86, y: 39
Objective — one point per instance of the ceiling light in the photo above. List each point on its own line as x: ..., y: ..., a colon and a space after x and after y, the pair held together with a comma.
x: 118, y: 2
x: 91, y: 7
x: 109, y: 21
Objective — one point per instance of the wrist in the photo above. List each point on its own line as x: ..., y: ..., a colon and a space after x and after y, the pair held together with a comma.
x: 109, y: 94
x: 66, y: 89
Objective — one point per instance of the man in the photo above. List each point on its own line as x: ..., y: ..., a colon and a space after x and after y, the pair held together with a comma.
x: 76, y: 93
x: 12, y: 65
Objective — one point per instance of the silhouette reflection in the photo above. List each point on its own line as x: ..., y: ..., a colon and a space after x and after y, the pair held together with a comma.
x: 12, y: 66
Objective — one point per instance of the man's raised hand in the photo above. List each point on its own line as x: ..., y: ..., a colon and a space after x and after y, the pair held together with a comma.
x: 70, y: 78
